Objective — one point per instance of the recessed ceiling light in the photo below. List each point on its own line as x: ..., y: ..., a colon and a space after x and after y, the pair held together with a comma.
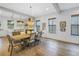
x: 47, y: 9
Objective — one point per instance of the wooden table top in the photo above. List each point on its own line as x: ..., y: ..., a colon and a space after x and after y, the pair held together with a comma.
x: 19, y: 37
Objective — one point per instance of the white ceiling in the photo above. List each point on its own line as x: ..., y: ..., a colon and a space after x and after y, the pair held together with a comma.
x: 65, y: 6
x: 37, y: 9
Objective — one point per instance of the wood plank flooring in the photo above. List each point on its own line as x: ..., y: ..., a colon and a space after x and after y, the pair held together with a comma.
x: 47, y: 47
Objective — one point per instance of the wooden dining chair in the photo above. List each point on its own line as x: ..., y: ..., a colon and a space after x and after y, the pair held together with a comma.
x: 12, y: 44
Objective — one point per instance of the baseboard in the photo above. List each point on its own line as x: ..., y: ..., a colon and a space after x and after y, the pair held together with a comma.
x: 2, y: 36
x: 61, y: 41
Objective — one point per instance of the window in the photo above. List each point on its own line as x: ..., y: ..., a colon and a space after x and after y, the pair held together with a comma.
x: 75, y: 25
x: 0, y: 26
x: 37, y: 25
x: 11, y: 24
x: 52, y: 25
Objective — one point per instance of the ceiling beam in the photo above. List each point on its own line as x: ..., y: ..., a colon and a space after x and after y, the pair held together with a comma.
x: 17, y: 12
x: 57, y: 8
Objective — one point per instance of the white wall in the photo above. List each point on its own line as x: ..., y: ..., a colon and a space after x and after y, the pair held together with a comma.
x: 7, y: 15
x: 64, y: 36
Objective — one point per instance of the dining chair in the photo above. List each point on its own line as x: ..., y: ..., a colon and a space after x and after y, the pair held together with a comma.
x: 38, y: 38
x: 31, y: 41
x: 12, y: 44
x: 16, y: 33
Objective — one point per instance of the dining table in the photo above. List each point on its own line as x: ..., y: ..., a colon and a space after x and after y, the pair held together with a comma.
x: 21, y: 36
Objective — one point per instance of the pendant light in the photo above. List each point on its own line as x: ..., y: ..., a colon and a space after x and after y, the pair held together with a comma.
x: 30, y: 10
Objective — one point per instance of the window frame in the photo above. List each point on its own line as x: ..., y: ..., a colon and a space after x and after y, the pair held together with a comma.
x: 37, y: 25
x: 51, y: 26
x: 9, y: 25
x: 77, y: 15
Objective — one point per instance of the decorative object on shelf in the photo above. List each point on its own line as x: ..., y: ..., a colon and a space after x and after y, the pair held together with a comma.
x: 63, y: 26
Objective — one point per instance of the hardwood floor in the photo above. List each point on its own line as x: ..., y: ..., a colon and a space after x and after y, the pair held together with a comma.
x: 47, y: 47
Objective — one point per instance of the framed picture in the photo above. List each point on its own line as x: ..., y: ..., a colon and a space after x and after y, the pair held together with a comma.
x: 63, y: 26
